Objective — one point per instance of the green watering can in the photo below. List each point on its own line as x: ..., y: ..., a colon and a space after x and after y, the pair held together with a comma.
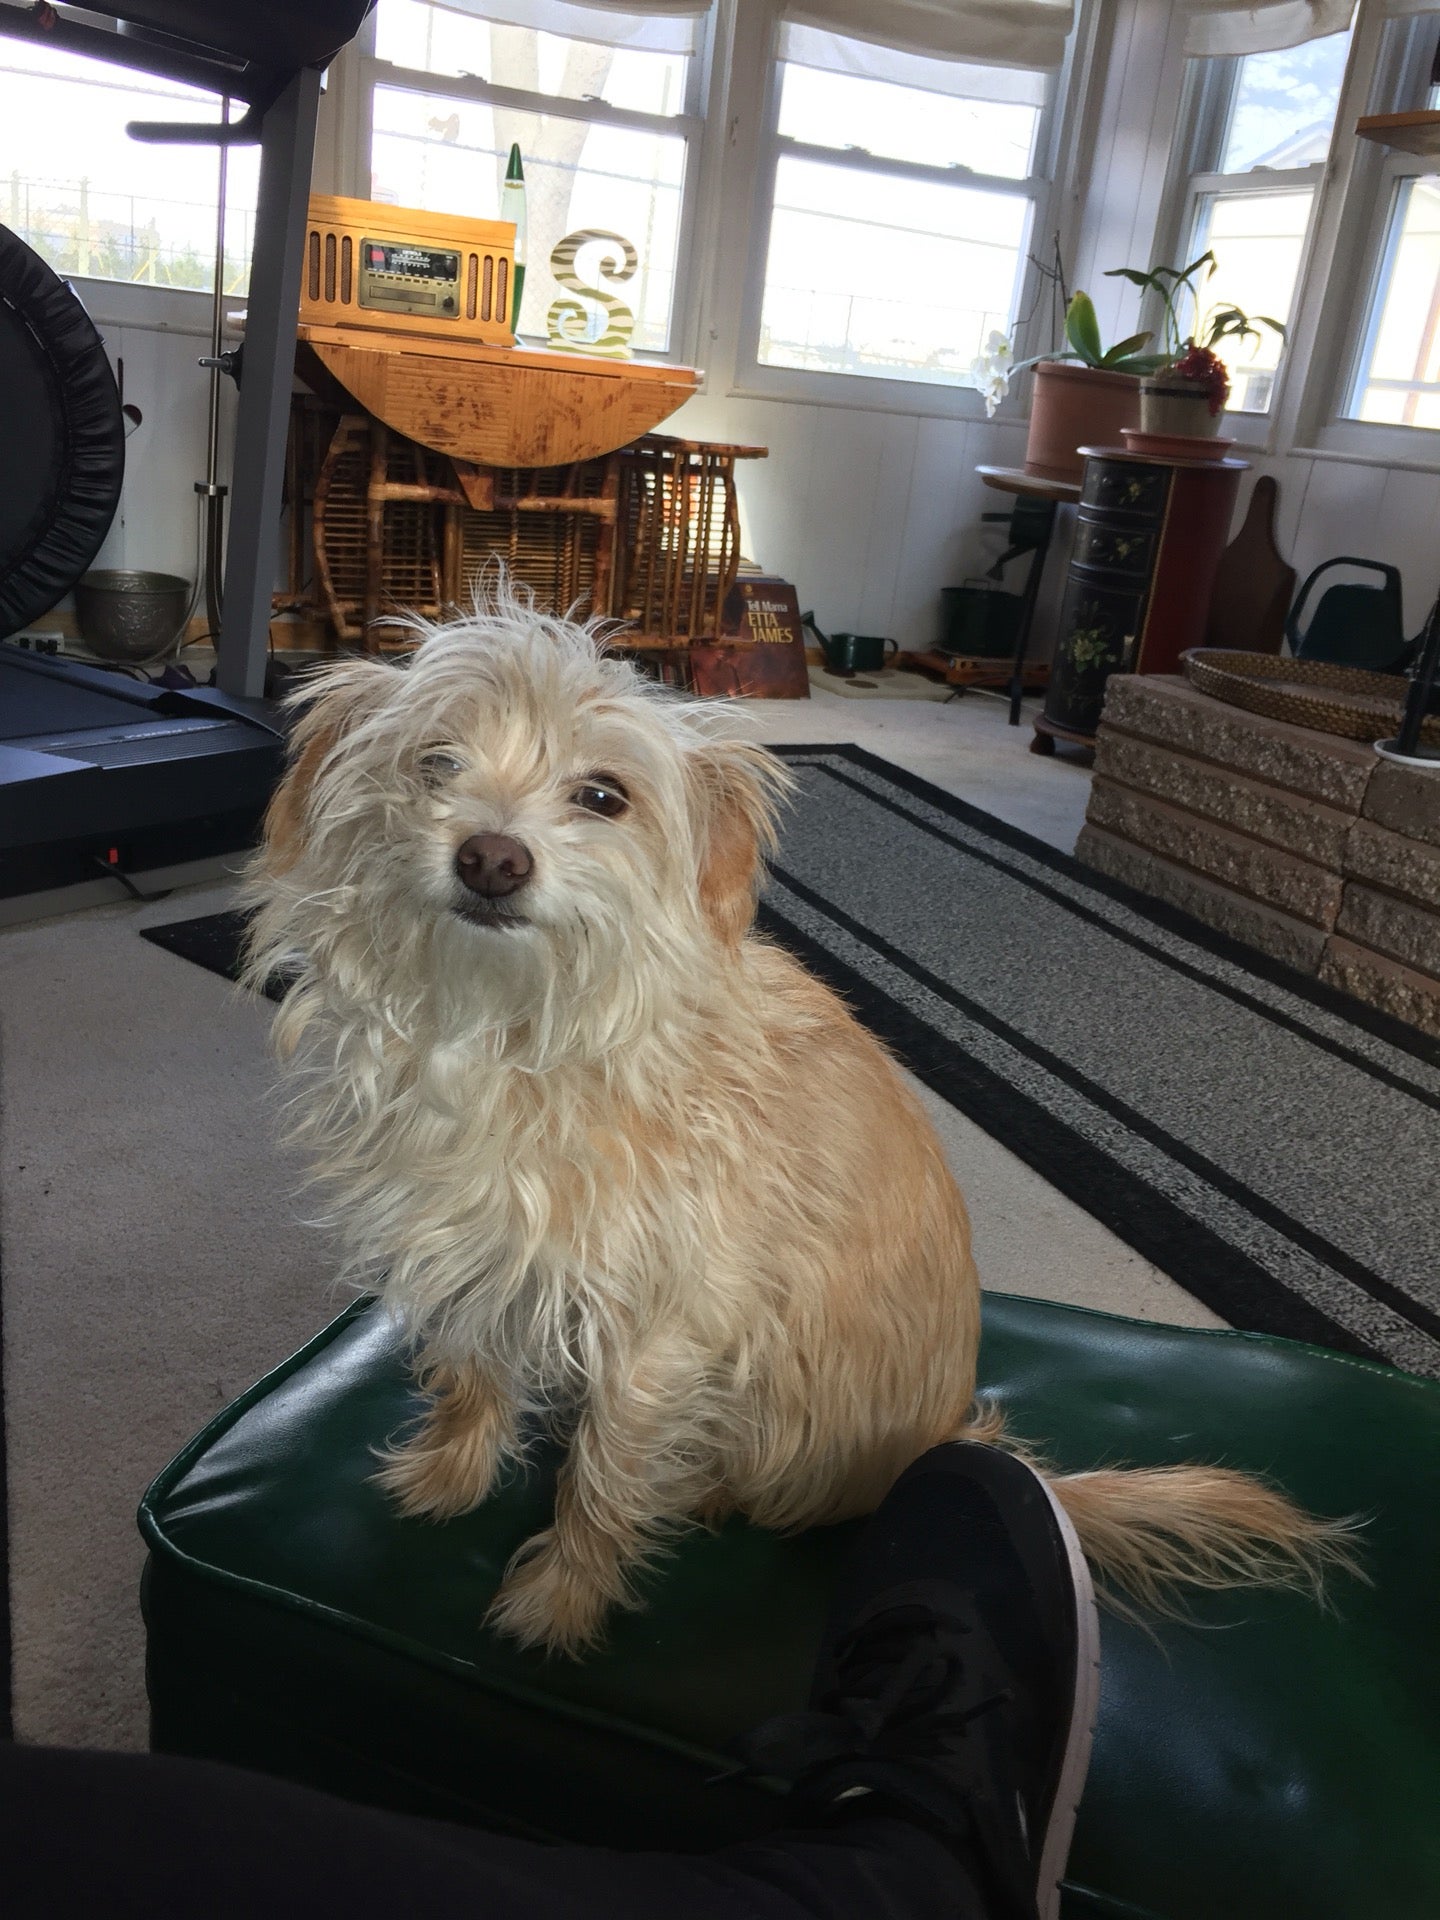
x: 852, y: 652
x: 1353, y: 625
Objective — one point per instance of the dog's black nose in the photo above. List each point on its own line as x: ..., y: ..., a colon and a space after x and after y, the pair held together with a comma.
x: 492, y: 864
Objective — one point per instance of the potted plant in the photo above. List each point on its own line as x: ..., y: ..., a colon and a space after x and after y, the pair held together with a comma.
x: 1083, y: 396
x: 1186, y: 392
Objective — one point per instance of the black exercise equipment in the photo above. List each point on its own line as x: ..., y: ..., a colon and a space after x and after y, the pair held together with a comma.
x: 98, y: 771
x: 60, y: 484
x: 103, y: 774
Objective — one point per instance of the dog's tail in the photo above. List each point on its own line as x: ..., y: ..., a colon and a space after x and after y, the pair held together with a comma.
x: 1149, y: 1531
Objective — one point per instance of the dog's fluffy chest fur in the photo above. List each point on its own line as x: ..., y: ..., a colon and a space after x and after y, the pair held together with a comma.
x: 536, y: 1216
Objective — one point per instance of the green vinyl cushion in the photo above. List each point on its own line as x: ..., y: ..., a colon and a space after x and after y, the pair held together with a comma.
x: 1259, y: 1758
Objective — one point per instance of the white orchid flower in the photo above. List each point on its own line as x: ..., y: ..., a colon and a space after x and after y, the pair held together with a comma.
x: 990, y: 371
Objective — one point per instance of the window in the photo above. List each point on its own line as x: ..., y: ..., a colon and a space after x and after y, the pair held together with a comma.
x: 1262, y: 125
x: 92, y: 201
x: 604, y: 107
x: 904, y: 196
x: 1396, y: 378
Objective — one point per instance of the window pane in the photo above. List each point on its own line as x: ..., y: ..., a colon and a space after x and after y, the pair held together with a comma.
x: 449, y: 156
x: 94, y: 202
x: 879, y: 276
x: 1284, y: 106
x: 939, y: 130
x: 1257, y: 240
x: 451, y: 41
x: 1401, y: 383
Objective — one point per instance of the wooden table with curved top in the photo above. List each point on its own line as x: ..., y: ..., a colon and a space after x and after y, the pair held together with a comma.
x: 495, y: 406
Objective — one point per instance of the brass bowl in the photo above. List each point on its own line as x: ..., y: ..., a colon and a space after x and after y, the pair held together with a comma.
x: 131, y: 615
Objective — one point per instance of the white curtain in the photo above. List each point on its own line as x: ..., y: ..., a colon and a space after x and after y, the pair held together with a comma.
x: 834, y: 53
x: 1010, y: 33
x: 1220, y: 27
x: 653, y: 26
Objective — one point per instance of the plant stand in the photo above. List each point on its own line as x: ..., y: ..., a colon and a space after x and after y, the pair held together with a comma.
x: 1017, y: 481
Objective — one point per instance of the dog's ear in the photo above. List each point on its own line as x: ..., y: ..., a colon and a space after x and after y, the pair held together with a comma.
x: 346, y: 694
x: 738, y: 790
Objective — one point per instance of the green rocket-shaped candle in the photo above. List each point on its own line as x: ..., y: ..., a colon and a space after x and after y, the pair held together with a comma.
x: 512, y: 207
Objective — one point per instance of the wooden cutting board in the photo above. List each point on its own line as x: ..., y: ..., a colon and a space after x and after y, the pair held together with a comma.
x: 1253, y: 584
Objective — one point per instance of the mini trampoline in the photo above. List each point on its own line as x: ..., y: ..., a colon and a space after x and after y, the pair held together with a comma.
x: 60, y: 488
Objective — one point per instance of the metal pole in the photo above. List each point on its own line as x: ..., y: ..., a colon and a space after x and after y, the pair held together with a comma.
x: 1422, y: 686
x: 217, y: 297
x: 287, y: 145
x: 211, y: 491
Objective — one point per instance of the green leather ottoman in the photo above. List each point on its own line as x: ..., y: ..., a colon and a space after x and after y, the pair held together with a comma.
x: 1263, y: 1758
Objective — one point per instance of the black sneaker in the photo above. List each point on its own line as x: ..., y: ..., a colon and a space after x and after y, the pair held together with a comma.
x: 959, y: 1675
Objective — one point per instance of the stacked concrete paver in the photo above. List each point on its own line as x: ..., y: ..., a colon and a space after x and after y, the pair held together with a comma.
x: 1307, y: 846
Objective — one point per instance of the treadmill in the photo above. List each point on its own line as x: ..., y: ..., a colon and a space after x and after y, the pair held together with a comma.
x: 99, y: 772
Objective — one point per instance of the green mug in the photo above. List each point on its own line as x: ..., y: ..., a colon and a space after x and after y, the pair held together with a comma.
x: 857, y: 652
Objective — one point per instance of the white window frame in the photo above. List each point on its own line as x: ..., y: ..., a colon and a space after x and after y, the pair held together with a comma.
x: 691, y: 125
x: 1056, y: 139
x: 143, y: 305
x: 1400, y: 54
x: 1205, y: 105
x: 1340, y: 262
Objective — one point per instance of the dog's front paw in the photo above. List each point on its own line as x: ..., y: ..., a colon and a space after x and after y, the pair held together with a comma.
x: 435, y: 1481
x: 545, y: 1601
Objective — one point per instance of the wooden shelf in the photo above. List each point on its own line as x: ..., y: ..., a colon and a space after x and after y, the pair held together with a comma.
x: 1016, y: 480
x: 1410, y: 132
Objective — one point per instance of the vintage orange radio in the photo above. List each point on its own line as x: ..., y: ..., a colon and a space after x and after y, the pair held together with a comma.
x: 398, y: 270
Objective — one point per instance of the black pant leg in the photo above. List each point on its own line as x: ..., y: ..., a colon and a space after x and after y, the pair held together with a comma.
x: 142, y: 1837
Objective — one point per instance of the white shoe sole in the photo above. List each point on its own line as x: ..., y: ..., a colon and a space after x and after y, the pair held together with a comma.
x: 1076, y: 1763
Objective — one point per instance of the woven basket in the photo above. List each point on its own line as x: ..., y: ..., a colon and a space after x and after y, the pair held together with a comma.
x: 1307, y: 693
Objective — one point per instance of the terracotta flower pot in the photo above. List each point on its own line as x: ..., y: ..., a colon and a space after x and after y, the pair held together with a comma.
x: 1076, y: 406
x: 1170, y: 404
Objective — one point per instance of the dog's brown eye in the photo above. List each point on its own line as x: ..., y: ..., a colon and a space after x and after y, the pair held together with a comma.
x: 439, y: 767
x: 602, y: 795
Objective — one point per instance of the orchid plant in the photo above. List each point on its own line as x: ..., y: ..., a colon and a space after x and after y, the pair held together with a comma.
x: 1192, y: 355
x: 992, y: 371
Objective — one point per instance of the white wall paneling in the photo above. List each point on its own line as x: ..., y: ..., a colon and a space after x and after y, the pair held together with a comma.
x: 159, y: 336
x: 871, y: 511
x: 1407, y: 534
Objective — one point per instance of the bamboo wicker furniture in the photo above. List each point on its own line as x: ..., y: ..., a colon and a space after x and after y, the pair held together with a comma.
x: 679, y: 544
x: 498, y: 406
x: 416, y: 460
x: 647, y: 534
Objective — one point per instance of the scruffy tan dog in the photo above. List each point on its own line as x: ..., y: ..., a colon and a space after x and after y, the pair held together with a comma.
x: 617, y: 1161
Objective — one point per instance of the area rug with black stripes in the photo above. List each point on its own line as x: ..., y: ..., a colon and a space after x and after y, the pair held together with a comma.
x: 1268, y: 1143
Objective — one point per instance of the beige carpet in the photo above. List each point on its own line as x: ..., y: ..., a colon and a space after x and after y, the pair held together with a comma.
x: 154, y: 1263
